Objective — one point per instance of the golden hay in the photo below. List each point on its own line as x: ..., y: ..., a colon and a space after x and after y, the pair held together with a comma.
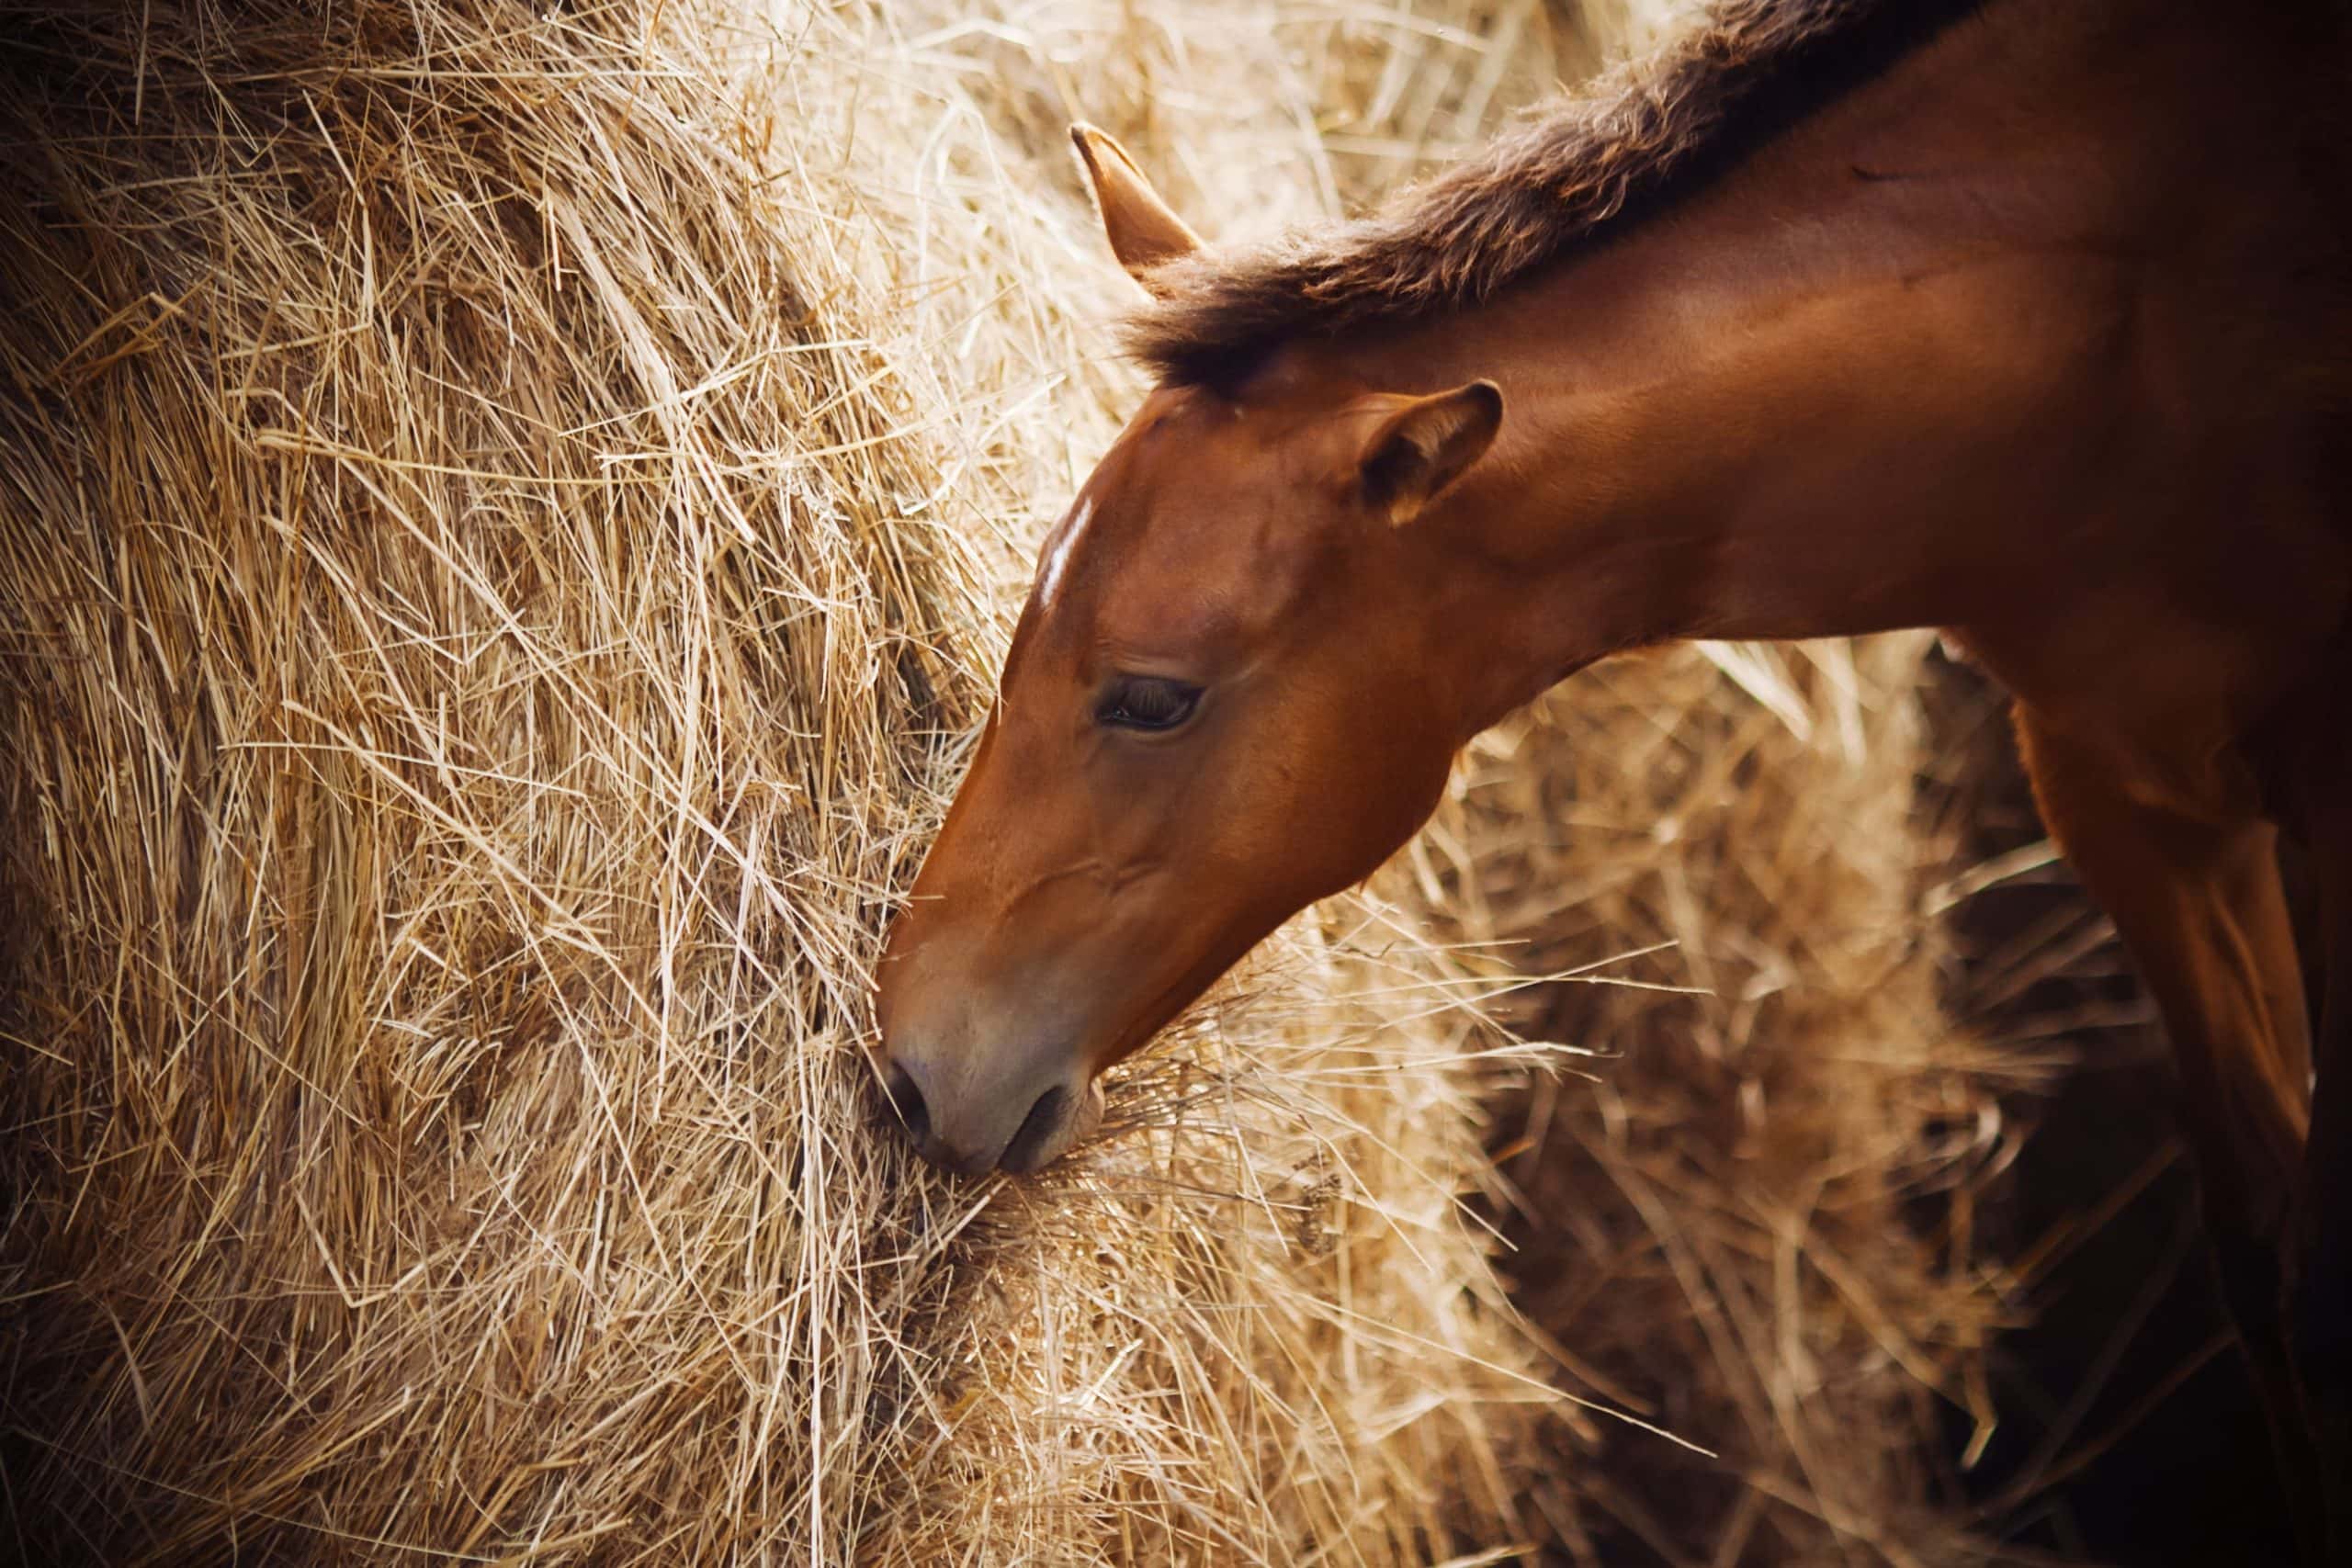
x: 508, y: 516
x: 1756, y: 1221
x: 490, y: 622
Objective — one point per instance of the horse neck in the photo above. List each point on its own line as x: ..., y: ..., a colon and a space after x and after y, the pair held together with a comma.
x: 1783, y: 454
x: 1880, y: 376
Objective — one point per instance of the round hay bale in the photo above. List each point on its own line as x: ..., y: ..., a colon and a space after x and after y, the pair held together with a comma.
x: 1756, y: 1222
x: 495, y: 581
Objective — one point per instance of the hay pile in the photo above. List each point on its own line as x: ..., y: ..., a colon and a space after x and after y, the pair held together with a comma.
x: 1756, y: 1223
x: 507, y: 517
x: 489, y: 620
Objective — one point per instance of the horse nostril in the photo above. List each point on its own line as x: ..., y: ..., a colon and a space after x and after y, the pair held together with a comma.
x: 906, y: 1101
x: 1043, y: 1119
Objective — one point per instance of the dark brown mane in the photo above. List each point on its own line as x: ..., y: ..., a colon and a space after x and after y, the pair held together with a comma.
x: 1533, y: 198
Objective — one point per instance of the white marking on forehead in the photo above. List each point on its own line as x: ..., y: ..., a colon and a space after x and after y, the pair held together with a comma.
x: 1049, y: 581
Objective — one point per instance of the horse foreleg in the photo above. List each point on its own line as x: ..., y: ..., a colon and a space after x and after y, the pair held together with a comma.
x: 2198, y: 901
x: 2321, y: 1308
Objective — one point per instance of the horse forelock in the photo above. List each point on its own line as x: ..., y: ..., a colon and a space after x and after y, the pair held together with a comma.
x: 1649, y: 133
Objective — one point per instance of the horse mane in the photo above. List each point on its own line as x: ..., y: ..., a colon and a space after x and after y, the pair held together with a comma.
x: 1585, y: 170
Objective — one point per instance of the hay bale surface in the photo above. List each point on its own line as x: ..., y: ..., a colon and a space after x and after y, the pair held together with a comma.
x: 492, y: 619
x: 1756, y: 1223
x: 508, y: 519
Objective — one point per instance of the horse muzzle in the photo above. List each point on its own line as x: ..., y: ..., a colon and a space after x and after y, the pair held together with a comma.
x: 969, y: 1115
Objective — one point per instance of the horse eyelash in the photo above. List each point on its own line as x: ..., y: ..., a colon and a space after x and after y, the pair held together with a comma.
x: 1114, y: 710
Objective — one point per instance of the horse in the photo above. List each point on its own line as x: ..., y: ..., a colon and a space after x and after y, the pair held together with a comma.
x: 2024, y: 320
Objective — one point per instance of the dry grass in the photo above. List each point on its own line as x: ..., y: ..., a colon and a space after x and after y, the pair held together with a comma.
x: 1756, y: 1222
x: 508, y: 518
x: 498, y: 547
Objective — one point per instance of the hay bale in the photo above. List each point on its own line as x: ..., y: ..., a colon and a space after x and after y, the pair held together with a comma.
x: 1756, y: 1223
x: 499, y: 555
x: 509, y: 518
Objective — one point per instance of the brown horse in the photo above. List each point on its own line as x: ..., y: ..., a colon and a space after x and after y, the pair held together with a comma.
x: 2029, y: 321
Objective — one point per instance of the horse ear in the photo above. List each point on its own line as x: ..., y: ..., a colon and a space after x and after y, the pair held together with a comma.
x: 1424, y: 446
x: 1144, y: 234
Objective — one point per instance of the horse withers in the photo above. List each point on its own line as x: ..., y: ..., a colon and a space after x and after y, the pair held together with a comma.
x: 2029, y: 322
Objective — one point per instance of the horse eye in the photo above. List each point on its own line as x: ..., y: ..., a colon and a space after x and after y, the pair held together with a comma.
x: 1147, y: 702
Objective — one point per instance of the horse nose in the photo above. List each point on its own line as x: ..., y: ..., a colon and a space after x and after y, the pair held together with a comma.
x: 1019, y: 1128
x: 928, y: 1119
x: 1034, y: 1140
x: 902, y: 1081
x: 906, y: 1099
